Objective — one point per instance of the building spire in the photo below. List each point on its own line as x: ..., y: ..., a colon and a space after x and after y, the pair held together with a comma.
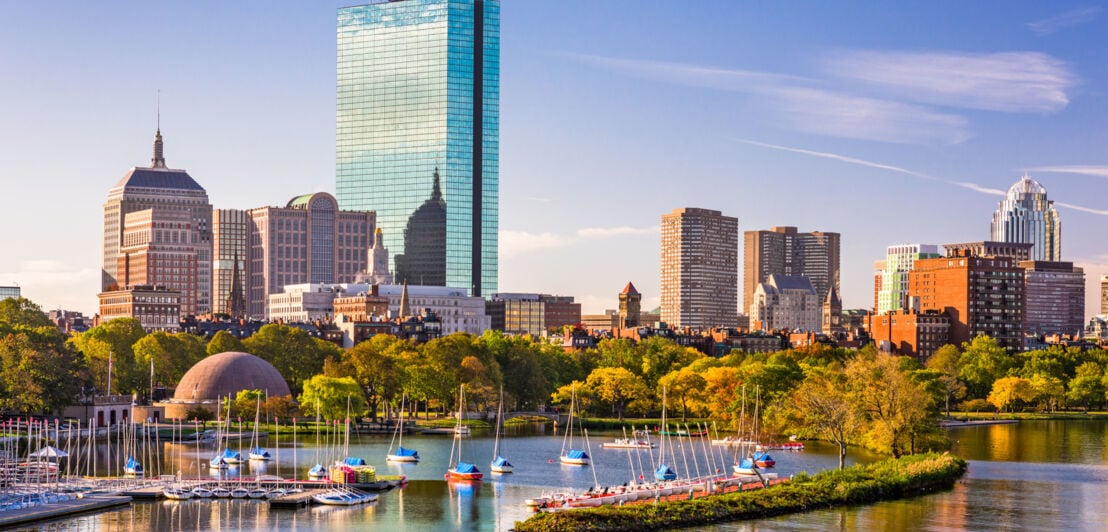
x: 159, y: 159
x: 404, y: 311
x: 436, y: 192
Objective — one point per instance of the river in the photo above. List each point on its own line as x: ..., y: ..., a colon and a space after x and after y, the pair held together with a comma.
x: 1035, y: 475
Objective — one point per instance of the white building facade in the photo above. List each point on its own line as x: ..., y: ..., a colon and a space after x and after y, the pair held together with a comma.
x: 786, y: 302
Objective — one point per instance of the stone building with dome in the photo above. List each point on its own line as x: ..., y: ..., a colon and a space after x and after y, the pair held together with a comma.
x: 220, y: 375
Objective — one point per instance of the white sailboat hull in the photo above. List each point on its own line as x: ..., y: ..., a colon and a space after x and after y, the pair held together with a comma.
x: 397, y: 458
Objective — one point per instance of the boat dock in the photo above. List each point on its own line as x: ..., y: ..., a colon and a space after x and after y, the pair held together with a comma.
x: 295, y: 500
x: 58, y: 510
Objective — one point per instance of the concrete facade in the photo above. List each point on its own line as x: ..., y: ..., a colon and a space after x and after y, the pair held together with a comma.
x: 699, y: 269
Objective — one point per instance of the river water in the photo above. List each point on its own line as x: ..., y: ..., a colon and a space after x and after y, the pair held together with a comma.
x: 1035, y: 475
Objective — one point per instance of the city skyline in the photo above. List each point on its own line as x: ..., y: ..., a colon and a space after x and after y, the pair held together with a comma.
x: 597, y: 117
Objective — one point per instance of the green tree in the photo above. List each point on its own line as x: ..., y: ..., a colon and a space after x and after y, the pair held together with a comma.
x: 1048, y: 391
x: 375, y: 368
x: 945, y: 362
x: 1008, y: 390
x: 661, y: 356
x: 23, y: 311
x: 982, y: 363
x: 822, y: 406
x: 1087, y: 386
x: 112, y: 340
x: 172, y: 355
x: 223, y: 342
x: 39, y: 373
x: 616, y: 387
x: 330, y: 396
x: 683, y: 385
x: 898, y: 408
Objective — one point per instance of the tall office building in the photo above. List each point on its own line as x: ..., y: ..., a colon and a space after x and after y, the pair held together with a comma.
x: 419, y: 99
x: 891, y: 277
x: 700, y: 277
x: 784, y: 251
x: 174, y: 235
x: 308, y: 241
x: 9, y: 292
x: 1026, y: 216
x: 230, y: 230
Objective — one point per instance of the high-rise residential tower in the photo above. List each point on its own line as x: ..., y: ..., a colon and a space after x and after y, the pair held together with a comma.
x: 1026, y: 216
x: 700, y: 269
x: 784, y: 251
x: 891, y: 277
x: 418, y: 99
x: 168, y: 242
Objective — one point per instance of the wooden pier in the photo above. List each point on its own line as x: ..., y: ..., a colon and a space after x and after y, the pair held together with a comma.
x: 295, y: 500
x: 58, y: 510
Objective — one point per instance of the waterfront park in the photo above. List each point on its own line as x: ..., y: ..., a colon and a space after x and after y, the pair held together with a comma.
x: 695, y: 440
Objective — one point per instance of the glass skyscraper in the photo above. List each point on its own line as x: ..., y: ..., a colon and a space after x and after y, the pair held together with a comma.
x: 1027, y: 216
x: 418, y: 131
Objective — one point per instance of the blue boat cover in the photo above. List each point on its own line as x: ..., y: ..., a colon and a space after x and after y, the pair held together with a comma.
x: 400, y: 451
x: 259, y: 451
x: 466, y: 467
x: 664, y: 473
x: 501, y: 462
x: 317, y: 469
x: 354, y: 461
x: 574, y: 453
x: 217, y: 460
x: 762, y: 456
x: 133, y: 464
x: 228, y: 453
x: 746, y: 463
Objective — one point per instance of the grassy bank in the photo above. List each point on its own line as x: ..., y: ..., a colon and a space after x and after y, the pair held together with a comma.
x: 886, y: 480
x: 971, y: 416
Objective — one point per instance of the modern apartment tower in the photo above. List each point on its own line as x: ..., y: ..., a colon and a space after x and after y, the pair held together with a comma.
x: 1027, y: 216
x: 168, y: 221
x: 418, y: 101
x: 784, y: 251
x: 1104, y: 295
x: 891, y: 276
x: 700, y: 277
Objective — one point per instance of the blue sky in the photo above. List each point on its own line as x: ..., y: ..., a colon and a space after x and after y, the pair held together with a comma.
x: 887, y: 122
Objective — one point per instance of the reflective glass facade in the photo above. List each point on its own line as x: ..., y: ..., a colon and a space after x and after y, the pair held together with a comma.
x: 419, y: 91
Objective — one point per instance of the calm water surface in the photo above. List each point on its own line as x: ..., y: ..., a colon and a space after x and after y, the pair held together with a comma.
x: 1036, y: 475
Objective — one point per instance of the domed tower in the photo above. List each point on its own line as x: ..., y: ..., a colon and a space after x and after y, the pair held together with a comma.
x: 1027, y: 216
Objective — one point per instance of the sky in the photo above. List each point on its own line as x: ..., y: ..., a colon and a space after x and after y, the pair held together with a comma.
x: 887, y: 122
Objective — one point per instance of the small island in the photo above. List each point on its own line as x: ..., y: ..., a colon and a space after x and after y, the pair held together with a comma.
x: 894, y: 478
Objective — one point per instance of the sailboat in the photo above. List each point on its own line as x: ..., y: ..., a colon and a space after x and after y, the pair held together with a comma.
x: 258, y: 454
x: 664, y: 472
x: 499, y: 463
x: 569, y: 455
x: 402, y: 454
x: 461, y: 470
x: 132, y: 468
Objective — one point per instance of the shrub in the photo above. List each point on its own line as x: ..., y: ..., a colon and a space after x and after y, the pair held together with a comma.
x: 978, y: 405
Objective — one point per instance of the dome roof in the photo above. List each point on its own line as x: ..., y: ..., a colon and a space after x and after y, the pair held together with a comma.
x: 227, y: 374
x: 1025, y: 185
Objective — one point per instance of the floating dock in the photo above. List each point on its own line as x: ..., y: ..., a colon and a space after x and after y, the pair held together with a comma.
x: 59, y: 510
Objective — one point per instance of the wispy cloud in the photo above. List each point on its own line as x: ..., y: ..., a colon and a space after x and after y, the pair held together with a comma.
x: 881, y: 166
x: 1096, y: 171
x: 1004, y: 81
x: 513, y: 243
x: 1073, y: 17
x: 802, y: 104
x: 871, y: 164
